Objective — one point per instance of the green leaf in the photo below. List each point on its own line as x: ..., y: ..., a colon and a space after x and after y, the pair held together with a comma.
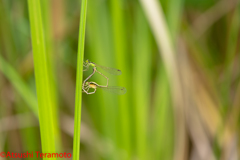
x: 42, y: 77
x: 78, y: 97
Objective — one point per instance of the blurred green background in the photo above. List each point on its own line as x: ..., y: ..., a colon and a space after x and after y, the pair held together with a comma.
x: 180, y: 65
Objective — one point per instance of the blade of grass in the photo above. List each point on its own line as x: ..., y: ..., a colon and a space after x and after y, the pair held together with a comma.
x: 122, y: 62
x: 174, y: 17
x: 99, y: 45
x: 141, y: 74
x: 78, y: 97
x: 49, y: 49
x: 162, y: 139
x: 161, y: 33
x: 42, y: 77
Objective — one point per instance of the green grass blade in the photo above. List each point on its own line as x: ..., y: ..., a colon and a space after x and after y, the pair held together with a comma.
x: 78, y: 97
x: 42, y: 77
x: 162, y: 137
x: 46, y: 11
x: 122, y: 59
x: 141, y: 83
x: 100, y: 47
x: 161, y: 33
x: 174, y: 17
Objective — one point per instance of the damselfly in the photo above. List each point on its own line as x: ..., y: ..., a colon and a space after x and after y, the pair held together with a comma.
x: 112, y: 71
x: 111, y: 89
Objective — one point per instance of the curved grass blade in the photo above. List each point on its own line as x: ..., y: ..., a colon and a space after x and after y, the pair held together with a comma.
x: 115, y: 89
x: 112, y: 71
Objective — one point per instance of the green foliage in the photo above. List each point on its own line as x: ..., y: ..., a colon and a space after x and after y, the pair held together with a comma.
x: 78, y: 97
x: 42, y: 77
x: 150, y: 121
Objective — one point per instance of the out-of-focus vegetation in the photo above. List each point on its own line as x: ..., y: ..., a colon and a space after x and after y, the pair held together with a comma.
x: 180, y: 65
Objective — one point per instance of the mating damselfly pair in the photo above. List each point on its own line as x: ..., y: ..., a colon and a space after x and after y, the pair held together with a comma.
x: 93, y: 85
